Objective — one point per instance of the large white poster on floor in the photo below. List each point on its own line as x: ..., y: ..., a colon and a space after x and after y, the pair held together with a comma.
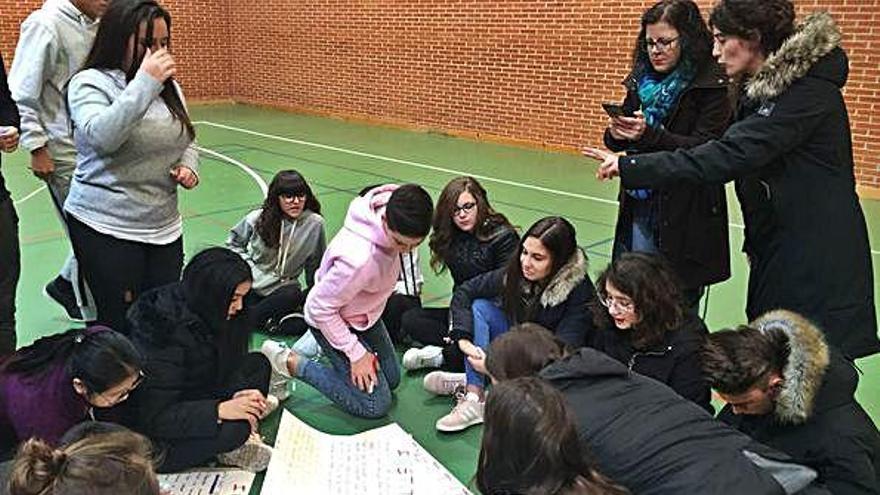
x: 382, y: 461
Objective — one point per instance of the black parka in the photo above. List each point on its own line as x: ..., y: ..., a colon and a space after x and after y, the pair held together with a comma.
x: 790, y: 152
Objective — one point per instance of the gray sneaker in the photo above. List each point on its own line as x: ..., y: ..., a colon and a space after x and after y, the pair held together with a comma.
x: 444, y: 382
x: 253, y: 455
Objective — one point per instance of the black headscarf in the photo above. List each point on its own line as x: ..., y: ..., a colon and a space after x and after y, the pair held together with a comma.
x: 209, y: 282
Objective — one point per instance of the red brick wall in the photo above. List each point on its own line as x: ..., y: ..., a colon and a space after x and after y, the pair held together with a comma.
x: 522, y: 70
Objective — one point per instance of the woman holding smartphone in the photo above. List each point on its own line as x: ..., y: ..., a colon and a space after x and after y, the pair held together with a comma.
x: 677, y: 97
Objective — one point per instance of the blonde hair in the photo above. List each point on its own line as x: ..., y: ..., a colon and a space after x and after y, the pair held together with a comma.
x: 102, y: 464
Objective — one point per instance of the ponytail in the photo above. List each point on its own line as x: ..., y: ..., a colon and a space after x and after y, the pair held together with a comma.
x: 102, y: 464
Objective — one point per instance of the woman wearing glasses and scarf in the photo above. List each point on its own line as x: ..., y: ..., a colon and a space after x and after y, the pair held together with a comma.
x: 678, y: 98
x: 642, y: 322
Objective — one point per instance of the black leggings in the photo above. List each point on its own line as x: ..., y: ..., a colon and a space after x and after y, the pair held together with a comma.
x: 184, y: 453
x: 119, y: 271
x: 10, y: 268
x: 392, y: 316
x: 429, y: 326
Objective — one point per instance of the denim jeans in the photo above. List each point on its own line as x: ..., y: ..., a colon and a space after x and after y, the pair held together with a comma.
x: 335, y: 381
x: 489, y: 322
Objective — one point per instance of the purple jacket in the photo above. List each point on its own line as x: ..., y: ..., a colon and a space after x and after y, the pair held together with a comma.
x: 43, y: 405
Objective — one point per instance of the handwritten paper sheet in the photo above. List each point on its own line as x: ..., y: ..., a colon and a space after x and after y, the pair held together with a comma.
x: 208, y: 482
x: 383, y: 461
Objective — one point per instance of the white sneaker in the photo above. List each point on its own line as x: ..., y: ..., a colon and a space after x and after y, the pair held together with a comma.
x: 429, y: 356
x: 444, y: 382
x: 272, y: 404
x: 277, y: 353
x: 253, y: 455
x: 279, y: 386
x: 468, y: 412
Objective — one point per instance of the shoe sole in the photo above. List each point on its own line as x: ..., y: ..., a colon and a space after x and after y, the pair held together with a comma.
x: 71, y: 318
x: 447, y: 429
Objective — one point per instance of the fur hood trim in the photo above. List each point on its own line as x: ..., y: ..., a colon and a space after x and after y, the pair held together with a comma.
x: 804, y: 370
x: 569, y: 276
x: 814, y: 38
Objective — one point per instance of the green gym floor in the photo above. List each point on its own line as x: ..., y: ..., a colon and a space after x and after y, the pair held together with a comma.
x: 245, y: 146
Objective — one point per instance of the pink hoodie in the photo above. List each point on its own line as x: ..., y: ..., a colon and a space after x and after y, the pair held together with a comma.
x: 356, y: 276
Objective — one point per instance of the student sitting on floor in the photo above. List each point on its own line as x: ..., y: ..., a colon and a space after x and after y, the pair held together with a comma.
x: 785, y: 387
x: 280, y: 241
x: 468, y: 238
x: 356, y: 278
x: 546, y: 283
x: 642, y: 434
x: 53, y: 384
x: 642, y: 321
x: 527, y: 419
x: 110, y: 463
x: 205, y: 395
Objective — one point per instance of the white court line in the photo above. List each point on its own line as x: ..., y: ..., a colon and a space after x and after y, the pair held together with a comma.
x: 31, y: 195
x: 259, y: 180
x: 429, y: 167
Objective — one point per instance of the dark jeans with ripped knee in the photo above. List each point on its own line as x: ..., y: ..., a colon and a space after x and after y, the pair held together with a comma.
x: 118, y: 271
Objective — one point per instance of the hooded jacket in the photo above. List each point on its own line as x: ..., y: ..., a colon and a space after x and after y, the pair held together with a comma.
x: 301, y: 244
x: 816, y: 419
x: 189, y: 346
x: 563, y: 306
x: 790, y: 153
x: 54, y: 43
x: 356, y: 276
x: 647, y: 438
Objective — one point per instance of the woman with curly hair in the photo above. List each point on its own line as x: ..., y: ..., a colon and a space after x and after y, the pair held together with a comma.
x: 642, y: 322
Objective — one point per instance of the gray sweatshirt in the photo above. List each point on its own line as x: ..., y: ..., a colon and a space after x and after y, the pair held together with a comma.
x: 54, y: 43
x: 127, y: 142
x: 300, y: 248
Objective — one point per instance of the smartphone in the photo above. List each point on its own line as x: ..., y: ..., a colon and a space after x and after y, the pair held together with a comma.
x: 616, y: 110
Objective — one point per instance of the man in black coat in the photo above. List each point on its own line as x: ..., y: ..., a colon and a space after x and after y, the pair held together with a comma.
x: 785, y: 388
x: 10, y: 266
x: 642, y: 434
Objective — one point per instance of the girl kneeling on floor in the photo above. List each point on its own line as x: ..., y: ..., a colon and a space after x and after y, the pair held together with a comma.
x: 546, y: 284
x: 205, y: 394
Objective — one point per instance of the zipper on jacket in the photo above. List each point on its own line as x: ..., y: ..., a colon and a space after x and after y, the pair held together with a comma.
x: 632, y: 359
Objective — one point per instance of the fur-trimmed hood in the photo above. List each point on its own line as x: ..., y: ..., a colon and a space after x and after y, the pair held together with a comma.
x: 813, y: 49
x: 805, y: 368
x: 566, y: 279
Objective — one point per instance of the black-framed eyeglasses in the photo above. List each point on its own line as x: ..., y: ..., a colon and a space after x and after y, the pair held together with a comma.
x: 289, y: 196
x: 660, y: 44
x: 467, y: 207
x: 123, y: 396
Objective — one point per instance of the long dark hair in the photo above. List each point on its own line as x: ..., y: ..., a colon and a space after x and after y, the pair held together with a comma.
x: 120, y: 22
x: 531, y: 446
x: 209, y: 282
x: 769, y: 22
x: 289, y: 182
x: 101, y: 464
x: 100, y: 357
x: 652, y: 285
x: 695, y: 39
x: 488, y: 220
x: 524, y: 350
x: 558, y: 236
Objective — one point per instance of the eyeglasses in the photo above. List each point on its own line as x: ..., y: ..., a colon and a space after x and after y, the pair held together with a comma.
x: 623, y: 305
x: 660, y: 44
x: 467, y: 207
x: 123, y: 396
x: 293, y: 196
